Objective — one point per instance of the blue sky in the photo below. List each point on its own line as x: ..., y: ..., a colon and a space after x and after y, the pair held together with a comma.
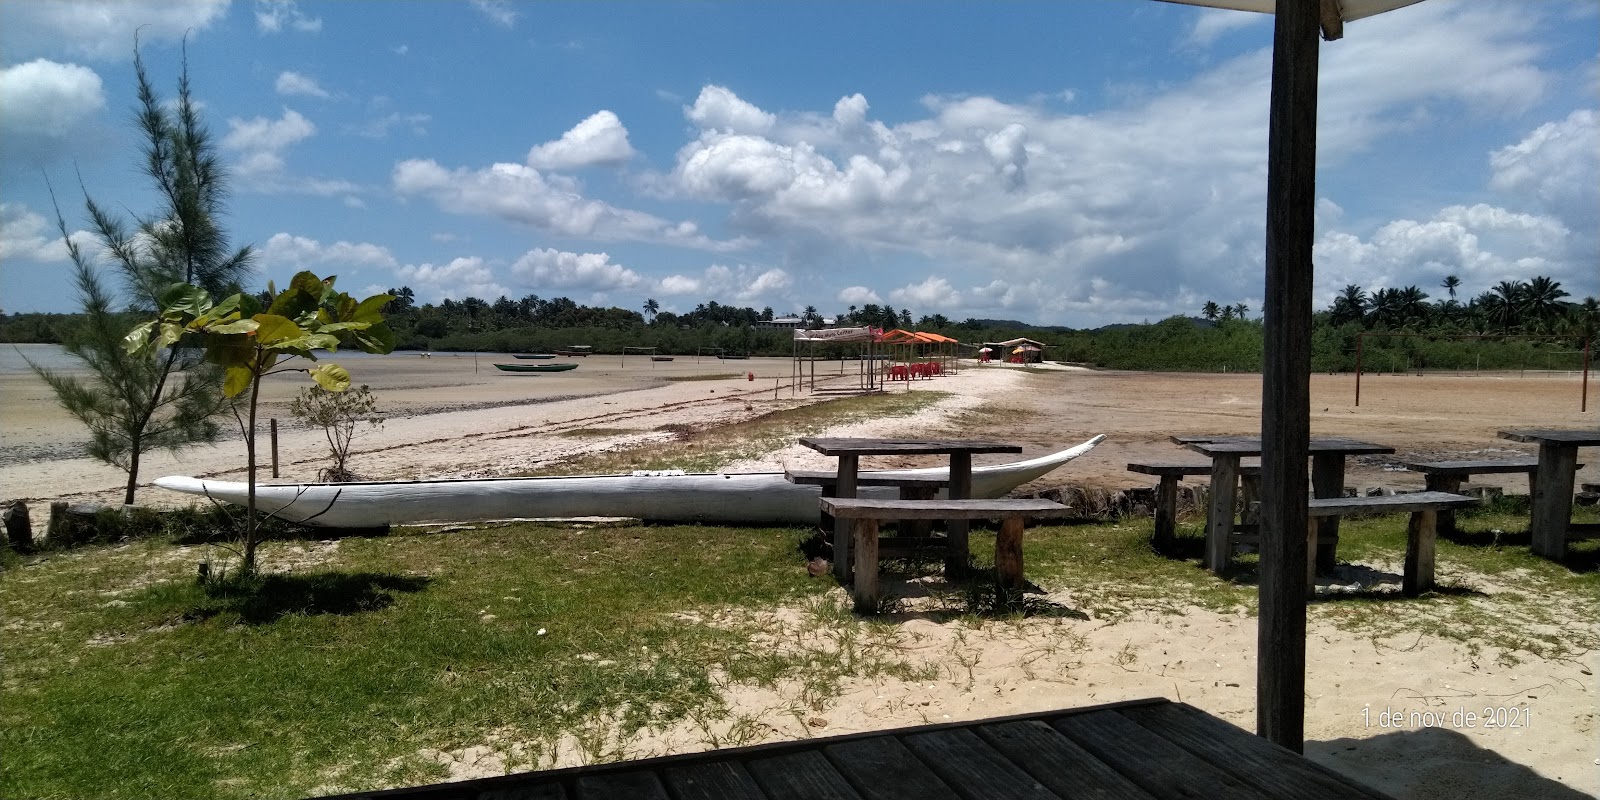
x: 1075, y: 163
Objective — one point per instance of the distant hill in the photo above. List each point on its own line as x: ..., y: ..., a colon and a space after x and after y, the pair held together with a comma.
x: 1198, y: 322
x: 1020, y: 325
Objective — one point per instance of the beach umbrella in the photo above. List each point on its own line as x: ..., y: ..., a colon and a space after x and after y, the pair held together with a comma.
x: 986, y: 349
x: 1286, y: 371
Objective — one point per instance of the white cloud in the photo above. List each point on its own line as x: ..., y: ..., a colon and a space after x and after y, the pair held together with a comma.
x: 293, y: 83
x: 858, y: 296
x: 546, y: 269
x: 260, y: 142
x: 1557, y: 166
x: 379, y: 128
x: 743, y: 284
x: 599, y: 140
x: 287, y: 250
x: 717, y: 108
x: 1212, y: 23
x: 457, y: 280
x: 934, y: 293
x: 274, y: 16
x: 101, y: 30
x: 45, y: 99
x: 521, y: 194
x: 500, y: 12
x: 26, y: 236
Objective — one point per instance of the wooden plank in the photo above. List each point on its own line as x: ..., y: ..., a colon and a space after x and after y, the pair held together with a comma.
x: 864, y: 533
x: 1253, y: 759
x: 1058, y: 762
x: 972, y: 767
x: 640, y: 783
x: 881, y: 768
x: 1552, y: 498
x: 830, y: 446
x: 800, y: 776
x: 1008, y: 563
x: 538, y: 791
x: 1286, y: 373
x: 1388, y: 504
x: 828, y: 478
x: 1420, y: 533
x: 1219, y: 517
x: 858, y: 507
x: 711, y: 780
x: 1576, y: 438
x: 1462, y: 468
x: 1166, y: 468
x: 1150, y: 761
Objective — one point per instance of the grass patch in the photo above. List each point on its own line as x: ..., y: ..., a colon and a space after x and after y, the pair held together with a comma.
x: 711, y: 448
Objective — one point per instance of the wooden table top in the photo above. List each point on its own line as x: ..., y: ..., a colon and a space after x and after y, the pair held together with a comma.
x: 1143, y: 749
x: 1576, y: 438
x: 889, y: 447
x: 1319, y: 446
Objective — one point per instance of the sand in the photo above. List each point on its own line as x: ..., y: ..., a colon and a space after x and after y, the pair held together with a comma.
x: 450, y: 416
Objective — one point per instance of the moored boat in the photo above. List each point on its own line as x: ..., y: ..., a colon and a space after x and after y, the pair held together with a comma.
x: 661, y: 358
x: 535, y: 356
x: 670, y: 496
x: 535, y: 367
x: 580, y: 350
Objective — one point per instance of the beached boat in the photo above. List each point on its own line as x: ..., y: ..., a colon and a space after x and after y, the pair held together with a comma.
x: 580, y: 350
x: 535, y: 356
x: 668, y: 496
x: 661, y: 358
x: 535, y: 367
x: 733, y: 356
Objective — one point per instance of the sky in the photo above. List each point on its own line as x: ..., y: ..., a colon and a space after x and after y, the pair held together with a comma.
x: 1076, y: 163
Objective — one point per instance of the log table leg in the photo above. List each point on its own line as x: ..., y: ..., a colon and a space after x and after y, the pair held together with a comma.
x: 1445, y: 483
x: 955, y: 557
x: 1420, y: 536
x: 848, y: 466
x: 865, y: 533
x: 1166, y: 533
x: 1219, y: 519
x: 1552, y: 499
x: 921, y: 528
x: 1313, y: 531
x: 1008, y: 563
x: 1327, y: 480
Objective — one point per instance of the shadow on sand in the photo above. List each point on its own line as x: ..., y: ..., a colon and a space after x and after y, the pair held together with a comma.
x: 1440, y: 762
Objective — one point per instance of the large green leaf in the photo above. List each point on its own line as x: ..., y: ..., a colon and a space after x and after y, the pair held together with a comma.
x: 276, y: 331
x: 371, y: 309
x: 236, y: 326
x: 138, y: 340
x: 332, y: 377
x: 376, y: 339
x: 236, y: 379
x: 185, y: 298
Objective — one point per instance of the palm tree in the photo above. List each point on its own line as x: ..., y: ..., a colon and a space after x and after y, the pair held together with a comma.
x: 1241, y: 309
x: 1506, y: 308
x: 1410, y: 306
x: 810, y: 317
x: 1210, y: 310
x: 651, y: 307
x: 1541, y: 301
x: 1227, y: 313
x: 1386, y: 307
x: 1350, y: 305
x: 1450, y: 284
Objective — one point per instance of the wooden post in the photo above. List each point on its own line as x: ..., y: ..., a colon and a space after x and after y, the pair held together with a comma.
x: 1327, y: 480
x: 848, y: 466
x: 1166, y: 532
x: 274, y: 426
x: 1435, y: 482
x: 1219, y: 519
x: 1286, y: 374
x: 56, y: 528
x: 1420, y: 536
x: 1552, y: 499
x: 1008, y: 563
x: 955, y: 555
x: 19, y: 528
x: 865, y: 533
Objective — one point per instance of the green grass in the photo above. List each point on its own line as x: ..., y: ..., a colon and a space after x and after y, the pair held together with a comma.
x: 124, y: 678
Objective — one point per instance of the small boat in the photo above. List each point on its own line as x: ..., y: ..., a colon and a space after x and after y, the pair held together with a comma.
x: 753, y: 498
x: 733, y: 356
x: 535, y: 367
x: 538, y: 356
x: 661, y: 358
x: 580, y: 350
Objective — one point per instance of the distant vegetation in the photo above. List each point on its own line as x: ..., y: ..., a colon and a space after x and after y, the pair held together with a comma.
x: 1222, y: 337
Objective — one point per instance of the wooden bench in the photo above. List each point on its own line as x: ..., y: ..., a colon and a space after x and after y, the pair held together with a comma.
x: 1425, y: 508
x: 1167, y: 493
x: 866, y: 514
x: 912, y: 487
x: 1447, y: 476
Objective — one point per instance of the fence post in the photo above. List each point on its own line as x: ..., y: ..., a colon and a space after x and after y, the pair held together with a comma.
x: 274, y: 422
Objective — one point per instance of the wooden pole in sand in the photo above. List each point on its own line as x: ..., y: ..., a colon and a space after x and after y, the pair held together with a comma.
x: 1286, y: 377
x: 274, y: 426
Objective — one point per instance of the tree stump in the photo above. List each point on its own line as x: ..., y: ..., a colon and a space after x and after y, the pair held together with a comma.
x: 19, y: 529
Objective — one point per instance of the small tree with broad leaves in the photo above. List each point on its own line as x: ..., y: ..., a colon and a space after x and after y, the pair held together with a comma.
x: 307, y: 317
x: 338, y: 414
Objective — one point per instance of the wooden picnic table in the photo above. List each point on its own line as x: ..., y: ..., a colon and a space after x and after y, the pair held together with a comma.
x: 1150, y: 749
x: 849, y: 452
x: 1327, y: 480
x: 1551, y: 519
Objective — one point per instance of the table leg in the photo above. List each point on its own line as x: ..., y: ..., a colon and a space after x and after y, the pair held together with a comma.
x: 1327, y: 480
x: 1312, y: 531
x: 865, y: 589
x: 1008, y: 564
x: 1552, y: 499
x: 1446, y: 483
x: 1420, y: 536
x: 921, y: 528
x: 955, y: 557
x: 1166, y: 514
x: 1219, y: 518
x: 848, y: 467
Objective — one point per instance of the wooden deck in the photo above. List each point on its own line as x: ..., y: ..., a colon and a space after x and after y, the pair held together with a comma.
x: 1139, y: 750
